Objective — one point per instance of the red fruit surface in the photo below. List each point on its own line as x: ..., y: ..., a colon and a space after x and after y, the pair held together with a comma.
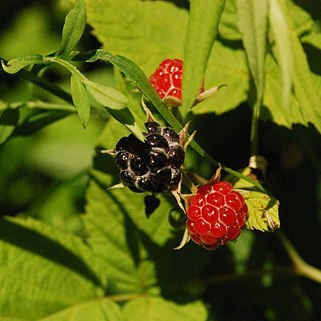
x: 167, y: 79
x: 216, y: 214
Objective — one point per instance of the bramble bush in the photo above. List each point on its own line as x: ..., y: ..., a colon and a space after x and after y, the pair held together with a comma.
x: 77, y: 244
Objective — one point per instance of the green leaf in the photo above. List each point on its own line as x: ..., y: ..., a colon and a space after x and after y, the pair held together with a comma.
x: 283, y: 48
x: 129, y: 28
x: 125, y: 117
x: 134, y: 73
x: 137, y: 42
x: 228, y: 24
x: 116, y: 104
x: 200, y: 36
x: 158, y: 309
x: 97, y: 310
x: 313, y: 39
x: 111, y: 223
x: 80, y: 99
x: 107, y: 96
x: 8, y: 121
x: 225, y: 66
x: 73, y: 29
x: 41, y: 268
x: 263, y: 211
x: 305, y: 87
x: 273, y: 99
x: 252, y: 21
x: 16, y: 64
x: 263, y: 207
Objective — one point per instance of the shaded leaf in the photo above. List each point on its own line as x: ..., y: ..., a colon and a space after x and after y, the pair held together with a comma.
x: 158, y: 309
x: 125, y: 117
x: 8, y: 122
x: 41, y: 268
x: 73, y: 29
x: 201, y: 33
x: 80, y: 99
x: 16, y: 64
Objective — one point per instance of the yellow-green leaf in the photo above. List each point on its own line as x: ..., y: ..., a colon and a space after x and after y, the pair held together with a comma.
x: 200, y: 35
x: 80, y: 99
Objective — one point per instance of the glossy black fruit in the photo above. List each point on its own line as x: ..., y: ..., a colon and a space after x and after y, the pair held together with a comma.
x: 153, y: 165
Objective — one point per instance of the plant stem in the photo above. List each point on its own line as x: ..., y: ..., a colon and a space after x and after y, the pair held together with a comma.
x: 254, y: 139
x: 301, y: 267
x: 231, y: 277
x: 45, y: 84
x: 68, y: 66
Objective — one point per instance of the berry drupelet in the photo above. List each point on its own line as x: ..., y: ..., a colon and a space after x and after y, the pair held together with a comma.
x: 152, y: 165
x: 167, y: 81
x: 216, y: 214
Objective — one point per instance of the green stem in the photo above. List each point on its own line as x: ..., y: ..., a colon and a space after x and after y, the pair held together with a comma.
x: 68, y: 66
x: 255, y: 129
x: 45, y: 84
x: 302, y: 268
x: 231, y: 277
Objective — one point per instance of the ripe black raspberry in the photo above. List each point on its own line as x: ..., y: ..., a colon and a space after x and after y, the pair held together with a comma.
x: 216, y: 215
x: 153, y: 165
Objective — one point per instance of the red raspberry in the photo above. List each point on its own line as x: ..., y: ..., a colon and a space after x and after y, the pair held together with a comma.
x: 167, y: 80
x: 216, y: 215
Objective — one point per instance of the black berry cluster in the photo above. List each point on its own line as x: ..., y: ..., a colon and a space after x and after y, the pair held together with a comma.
x: 153, y: 165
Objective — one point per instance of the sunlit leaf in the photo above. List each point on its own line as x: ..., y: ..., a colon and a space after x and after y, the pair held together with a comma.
x: 252, y: 18
x: 97, y: 310
x: 157, y: 309
x: 263, y: 211
x: 107, y: 96
x: 201, y: 33
x: 73, y: 29
x: 129, y: 28
x: 263, y: 207
x: 283, y: 48
x: 80, y: 99
x: 16, y: 64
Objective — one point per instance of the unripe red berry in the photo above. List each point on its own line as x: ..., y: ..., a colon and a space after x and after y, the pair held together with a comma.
x: 216, y: 214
